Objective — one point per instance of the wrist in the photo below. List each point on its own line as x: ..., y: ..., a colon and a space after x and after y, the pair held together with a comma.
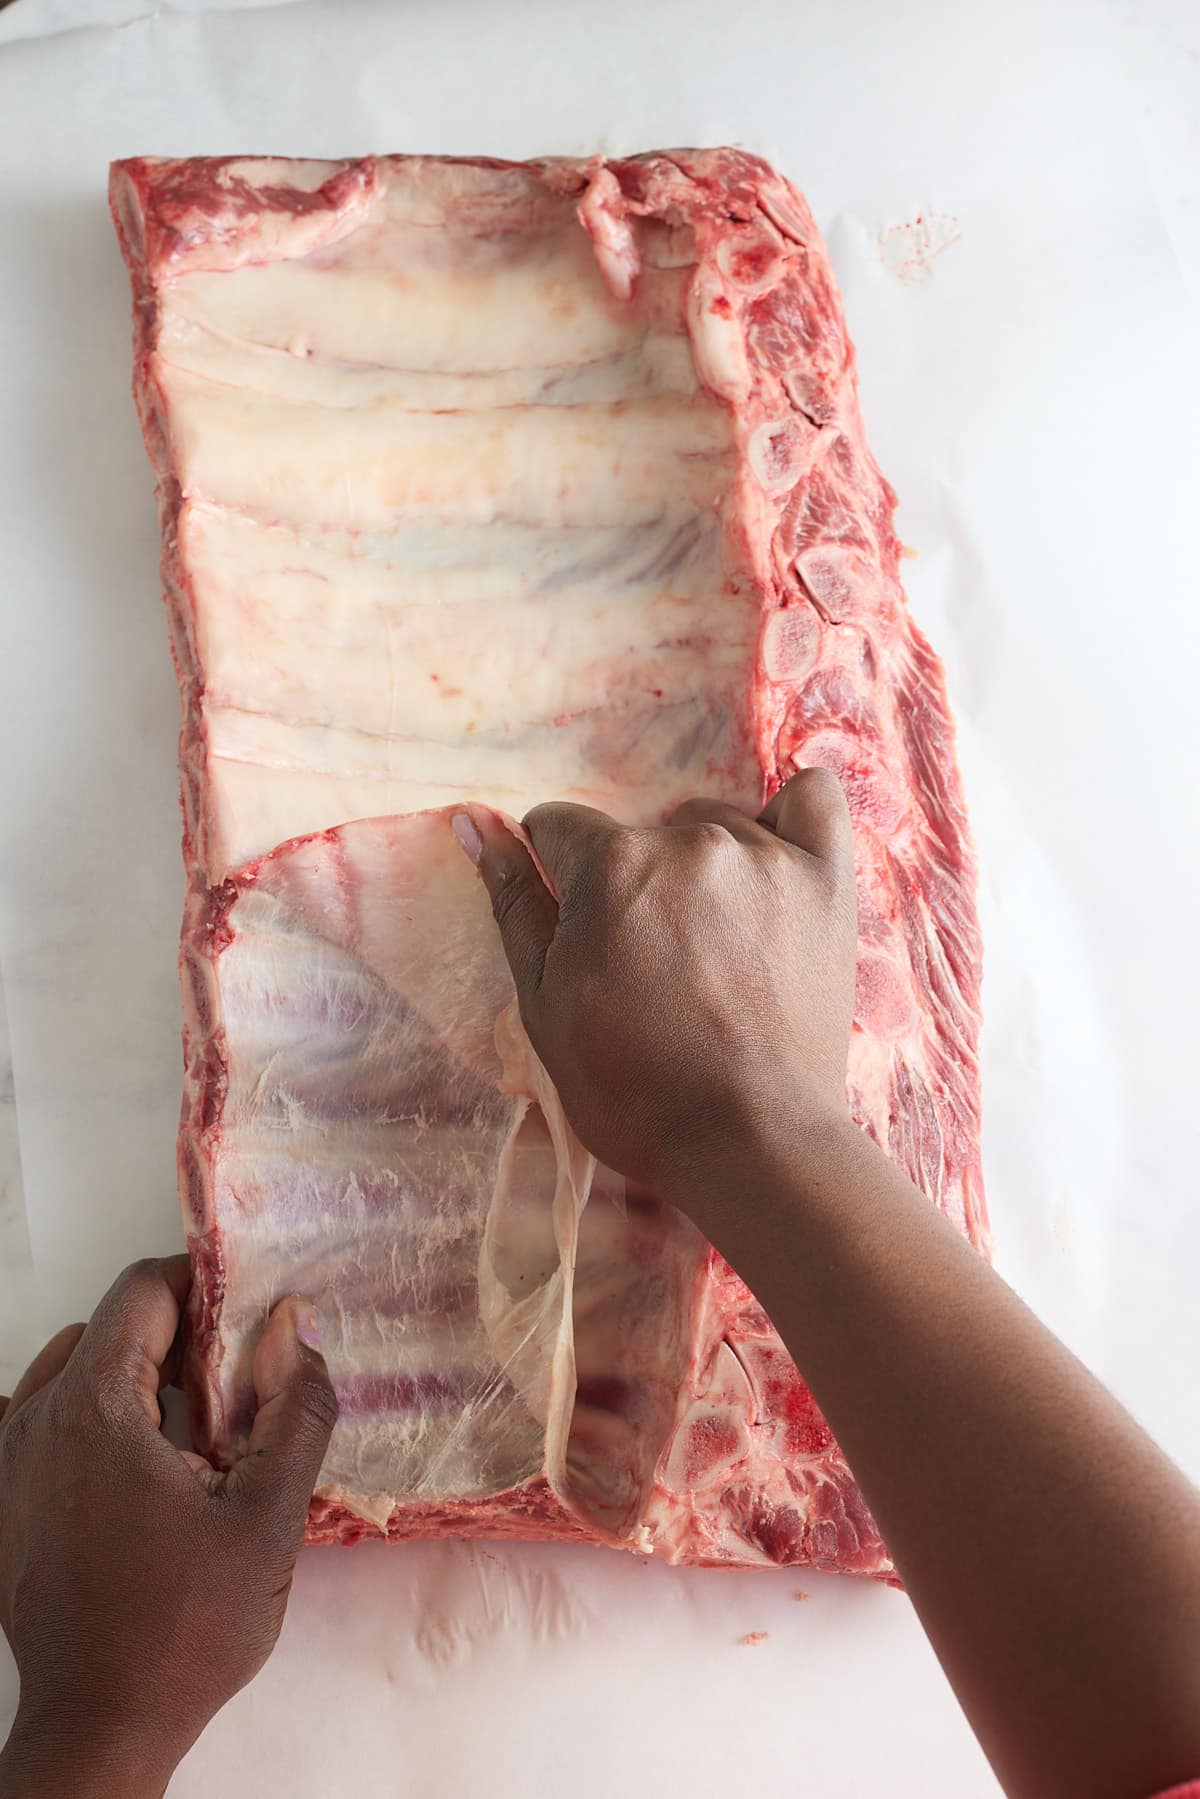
x: 56, y: 1750
x: 819, y: 1163
x: 797, y: 1159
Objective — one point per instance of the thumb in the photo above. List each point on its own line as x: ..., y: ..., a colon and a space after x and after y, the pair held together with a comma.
x: 297, y: 1410
x: 522, y: 904
x: 810, y: 811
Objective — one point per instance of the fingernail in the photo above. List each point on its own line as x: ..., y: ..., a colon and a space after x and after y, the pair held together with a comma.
x: 464, y: 828
x: 308, y: 1327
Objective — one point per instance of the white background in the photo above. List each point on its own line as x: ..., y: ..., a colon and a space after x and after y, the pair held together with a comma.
x: 1034, y: 399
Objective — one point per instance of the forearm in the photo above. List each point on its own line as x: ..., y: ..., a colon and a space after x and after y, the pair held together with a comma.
x: 1052, y: 1551
x: 686, y: 984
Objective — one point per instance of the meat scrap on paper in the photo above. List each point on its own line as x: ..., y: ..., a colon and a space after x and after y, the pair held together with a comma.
x: 509, y: 482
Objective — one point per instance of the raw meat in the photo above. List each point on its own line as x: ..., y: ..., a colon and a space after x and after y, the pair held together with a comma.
x: 369, y: 1130
x: 462, y: 500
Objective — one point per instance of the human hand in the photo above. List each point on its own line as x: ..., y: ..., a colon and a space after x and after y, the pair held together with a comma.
x: 139, y: 1587
x: 693, y: 985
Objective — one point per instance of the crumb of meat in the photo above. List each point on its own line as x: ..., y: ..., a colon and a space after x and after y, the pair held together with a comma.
x: 756, y: 1636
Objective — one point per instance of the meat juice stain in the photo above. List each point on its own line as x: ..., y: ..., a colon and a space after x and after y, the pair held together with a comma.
x: 910, y: 251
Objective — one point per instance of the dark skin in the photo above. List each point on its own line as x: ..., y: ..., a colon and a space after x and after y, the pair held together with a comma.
x: 690, y: 992
x: 139, y: 1588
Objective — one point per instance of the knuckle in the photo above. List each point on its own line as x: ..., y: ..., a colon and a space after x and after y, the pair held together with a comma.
x: 547, y: 813
x: 825, y: 789
x: 142, y: 1273
x: 509, y: 900
x: 710, y: 845
x: 618, y: 855
x: 506, y: 896
x: 129, y: 1289
x: 16, y: 1437
x: 319, y: 1402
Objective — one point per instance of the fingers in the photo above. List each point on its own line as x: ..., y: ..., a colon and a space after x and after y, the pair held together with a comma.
x: 716, y: 812
x: 524, y: 908
x: 209, y: 1477
x: 129, y: 1345
x: 297, y: 1410
x: 566, y: 839
x: 810, y: 811
x: 46, y: 1366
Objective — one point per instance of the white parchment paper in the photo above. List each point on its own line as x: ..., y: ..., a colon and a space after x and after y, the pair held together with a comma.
x: 1011, y: 197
